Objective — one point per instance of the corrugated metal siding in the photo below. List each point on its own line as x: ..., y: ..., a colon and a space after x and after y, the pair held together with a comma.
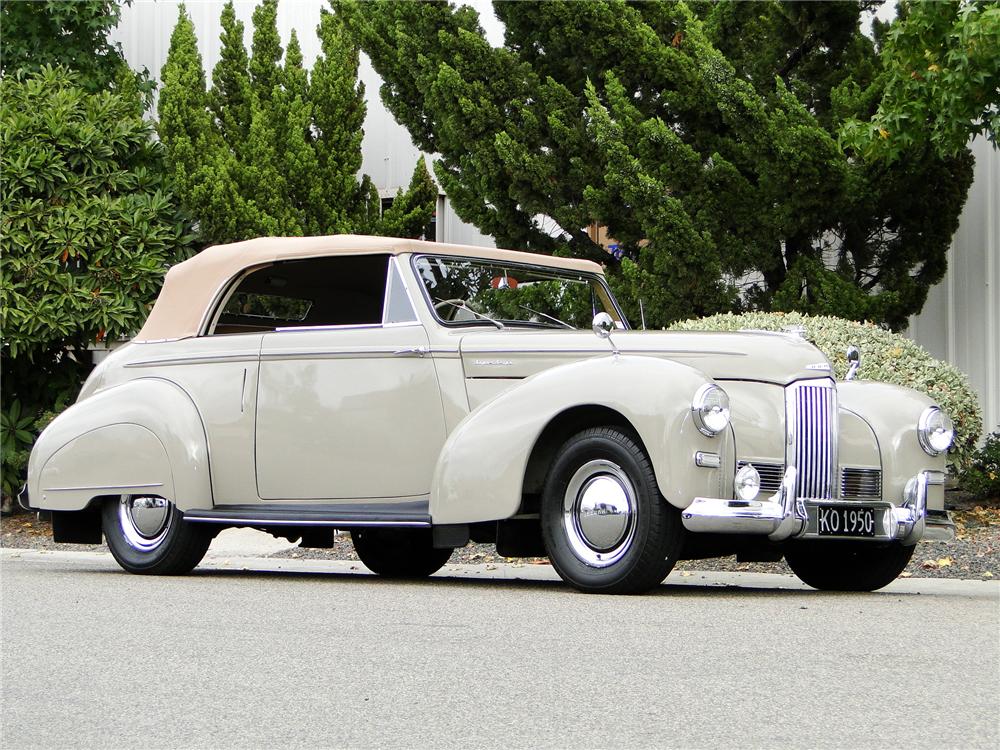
x: 961, y: 321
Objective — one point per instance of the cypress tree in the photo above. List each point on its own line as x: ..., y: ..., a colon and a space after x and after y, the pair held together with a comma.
x: 411, y: 211
x: 230, y: 96
x: 271, y: 149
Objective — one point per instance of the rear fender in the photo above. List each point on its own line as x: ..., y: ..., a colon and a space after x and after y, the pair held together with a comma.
x: 480, y: 473
x: 142, y: 437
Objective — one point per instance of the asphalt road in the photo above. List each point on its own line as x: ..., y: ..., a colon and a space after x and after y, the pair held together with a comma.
x: 304, y: 653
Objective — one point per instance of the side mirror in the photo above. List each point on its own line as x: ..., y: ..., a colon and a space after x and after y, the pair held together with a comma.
x: 853, y: 362
x: 603, y: 325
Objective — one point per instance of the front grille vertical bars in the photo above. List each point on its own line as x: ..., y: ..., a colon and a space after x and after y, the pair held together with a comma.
x: 811, y: 419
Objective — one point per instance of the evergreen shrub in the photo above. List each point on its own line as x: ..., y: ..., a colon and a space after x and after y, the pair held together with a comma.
x: 982, y: 478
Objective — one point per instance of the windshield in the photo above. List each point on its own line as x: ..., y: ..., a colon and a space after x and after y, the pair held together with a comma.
x: 467, y: 291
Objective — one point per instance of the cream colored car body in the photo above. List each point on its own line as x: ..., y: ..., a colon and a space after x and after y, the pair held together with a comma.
x: 416, y: 414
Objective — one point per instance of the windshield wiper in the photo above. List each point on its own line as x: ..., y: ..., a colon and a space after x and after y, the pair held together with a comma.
x: 461, y: 305
x: 554, y: 319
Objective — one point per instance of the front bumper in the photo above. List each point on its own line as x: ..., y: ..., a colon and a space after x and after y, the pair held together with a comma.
x: 786, y: 516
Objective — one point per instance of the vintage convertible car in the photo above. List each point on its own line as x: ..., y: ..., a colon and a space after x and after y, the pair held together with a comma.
x: 421, y: 395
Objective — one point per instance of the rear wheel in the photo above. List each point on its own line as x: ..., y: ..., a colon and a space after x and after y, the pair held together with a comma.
x: 847, y: 566
x: 399, y: 553
x: 149, y: 535
x: 606, y: 527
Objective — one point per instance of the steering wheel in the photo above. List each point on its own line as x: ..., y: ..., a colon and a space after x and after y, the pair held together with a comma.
x: 454, y: 305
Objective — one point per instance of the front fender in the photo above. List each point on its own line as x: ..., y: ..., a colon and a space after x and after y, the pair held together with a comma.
x: 480, y: 473
x: 892, y: 411
x: 142, y: 437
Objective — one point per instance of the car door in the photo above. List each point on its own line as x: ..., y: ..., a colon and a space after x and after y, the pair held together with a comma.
x: 349, y: 411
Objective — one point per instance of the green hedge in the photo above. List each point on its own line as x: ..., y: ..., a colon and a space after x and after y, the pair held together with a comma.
x: 982, y: 478
x: 885, y: 356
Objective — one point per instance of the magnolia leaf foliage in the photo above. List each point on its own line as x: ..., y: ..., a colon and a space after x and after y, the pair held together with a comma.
x: 89, y: 228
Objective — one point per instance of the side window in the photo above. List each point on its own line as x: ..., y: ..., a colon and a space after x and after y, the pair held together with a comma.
x: 398, y: 308
x: 333, y: 291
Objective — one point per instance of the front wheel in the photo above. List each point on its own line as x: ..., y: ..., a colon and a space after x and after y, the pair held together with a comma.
x: 847, y: 566
x: 607, y: 528
x: 149, y: 535
x: 399, y: 553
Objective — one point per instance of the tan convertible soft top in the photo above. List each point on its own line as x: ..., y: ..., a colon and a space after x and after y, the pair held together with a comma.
x: 192, y: 286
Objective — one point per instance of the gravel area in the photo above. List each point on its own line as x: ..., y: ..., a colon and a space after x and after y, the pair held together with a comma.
x: 975, y: 553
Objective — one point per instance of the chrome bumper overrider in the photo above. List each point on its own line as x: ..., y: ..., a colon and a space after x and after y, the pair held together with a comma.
x: 786, y: 516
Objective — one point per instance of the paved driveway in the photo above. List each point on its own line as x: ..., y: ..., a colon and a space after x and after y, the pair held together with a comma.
x: 268, y: 653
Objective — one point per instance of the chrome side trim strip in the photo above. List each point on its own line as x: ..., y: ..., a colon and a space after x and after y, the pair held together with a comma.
x: 195, y: 359
x: 321, y: 354
x: 354, y: 327
x: 358, y: 354
x: 201, y: 359
x: 104, y: 487
x: 598, y: 352
x: 239, y: 520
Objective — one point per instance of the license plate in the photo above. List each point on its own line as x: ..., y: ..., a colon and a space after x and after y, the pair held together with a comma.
x: 837, y: 520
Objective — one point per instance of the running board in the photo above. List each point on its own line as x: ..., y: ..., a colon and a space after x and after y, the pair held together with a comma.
x: 412, y: 513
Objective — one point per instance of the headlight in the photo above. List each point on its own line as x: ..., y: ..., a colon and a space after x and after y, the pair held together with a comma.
x: 711, y: 409
x: 935, y: 431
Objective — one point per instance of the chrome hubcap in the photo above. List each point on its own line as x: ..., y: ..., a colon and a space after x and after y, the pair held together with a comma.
x: 144, y: 520
x: 599, y: 513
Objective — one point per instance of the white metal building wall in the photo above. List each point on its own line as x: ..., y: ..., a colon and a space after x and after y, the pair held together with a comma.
x: 961, y: 321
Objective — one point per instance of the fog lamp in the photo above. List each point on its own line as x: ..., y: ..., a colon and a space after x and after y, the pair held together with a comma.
x: 747, y: 483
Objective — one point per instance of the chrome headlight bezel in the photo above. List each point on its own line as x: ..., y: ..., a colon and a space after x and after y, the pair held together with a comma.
x: 710, y: 408
x: 935, y: 431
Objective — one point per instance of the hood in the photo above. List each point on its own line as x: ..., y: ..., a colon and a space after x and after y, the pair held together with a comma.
x: 758, y: 356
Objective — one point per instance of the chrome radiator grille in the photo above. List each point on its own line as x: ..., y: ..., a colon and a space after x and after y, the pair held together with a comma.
x: 811, y: 413
x: 770, y: 475
x: 861, y: 484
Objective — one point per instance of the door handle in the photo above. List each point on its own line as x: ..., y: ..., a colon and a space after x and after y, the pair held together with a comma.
x: 412, y: 350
